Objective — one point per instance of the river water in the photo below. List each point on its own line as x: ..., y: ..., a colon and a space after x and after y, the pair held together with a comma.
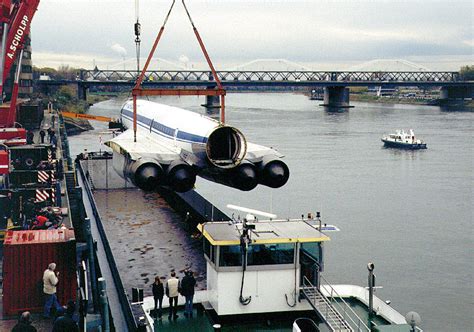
x: 409, y: 212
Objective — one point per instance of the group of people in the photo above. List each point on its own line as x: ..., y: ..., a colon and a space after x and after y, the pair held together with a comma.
x: 173, y: 288
x: 40, y: 218
x: 64, y: 320
x: 51, y: 137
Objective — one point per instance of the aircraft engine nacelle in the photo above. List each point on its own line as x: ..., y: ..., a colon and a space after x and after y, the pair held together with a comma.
x: 146, y: 174
x: 273, y: 172
x: 180, y: 176
x: 243, y: 177
x: 226, y: 147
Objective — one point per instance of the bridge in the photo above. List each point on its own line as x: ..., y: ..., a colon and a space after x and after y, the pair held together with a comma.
x: 334, y: 82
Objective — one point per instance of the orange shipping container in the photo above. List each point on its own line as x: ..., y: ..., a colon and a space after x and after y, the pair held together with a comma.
x: 26, y: 256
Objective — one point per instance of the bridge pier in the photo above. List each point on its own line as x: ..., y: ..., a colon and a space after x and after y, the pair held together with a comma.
x: 456, y: 93
x: 81, y: 91
x: 213, y: 103
x: 213, y: 106
x: 336, y: 97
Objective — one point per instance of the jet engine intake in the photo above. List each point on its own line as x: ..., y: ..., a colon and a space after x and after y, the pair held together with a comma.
x: 273, y: 172
x: 146, y: 174
x: 180, y: 176
x: 226, y: 147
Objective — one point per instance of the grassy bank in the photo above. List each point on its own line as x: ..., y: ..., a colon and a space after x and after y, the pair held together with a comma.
x: 387, y: 100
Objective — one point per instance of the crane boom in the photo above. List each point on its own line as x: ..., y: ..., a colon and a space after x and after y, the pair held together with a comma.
x: 15, y: 19
x: 87, y: 116
x: 19, y: 29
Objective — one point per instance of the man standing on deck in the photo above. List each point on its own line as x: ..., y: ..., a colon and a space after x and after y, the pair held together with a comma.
x: 187, y: 290
x: 30, y: 137
x: 42, y: 135
x: 50, y: 133
x: 172, y: 292
x: 50, y: 280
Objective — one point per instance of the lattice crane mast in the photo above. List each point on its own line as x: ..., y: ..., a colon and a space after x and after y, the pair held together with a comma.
x: 15, y: 19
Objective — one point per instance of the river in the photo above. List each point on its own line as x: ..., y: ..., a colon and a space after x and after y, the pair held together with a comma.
x: 409, y: 212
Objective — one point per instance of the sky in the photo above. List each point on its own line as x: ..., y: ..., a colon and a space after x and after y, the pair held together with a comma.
x: 316, y: 34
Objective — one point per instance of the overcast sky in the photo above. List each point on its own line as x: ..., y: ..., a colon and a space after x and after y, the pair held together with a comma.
x: 318, y: 33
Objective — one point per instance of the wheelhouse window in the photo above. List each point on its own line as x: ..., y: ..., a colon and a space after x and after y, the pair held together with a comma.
x: 258, y: 254
x: 209, y: 250
x: 230, y: 256
x: 312, y: 249
x: 271, y: 254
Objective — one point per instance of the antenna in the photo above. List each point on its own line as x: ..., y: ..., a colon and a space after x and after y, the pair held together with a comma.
x: 138, y: 29
x: 252, y: 211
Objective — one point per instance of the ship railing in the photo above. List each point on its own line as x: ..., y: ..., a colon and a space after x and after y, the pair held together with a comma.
x: 122, y: 296
x: 334, y: 320
x: 341, y: 305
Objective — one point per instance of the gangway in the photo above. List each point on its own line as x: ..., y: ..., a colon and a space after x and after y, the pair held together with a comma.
x: 337, y: 317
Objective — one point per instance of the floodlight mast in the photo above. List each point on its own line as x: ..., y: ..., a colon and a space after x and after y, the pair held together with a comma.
x: 138, y: 90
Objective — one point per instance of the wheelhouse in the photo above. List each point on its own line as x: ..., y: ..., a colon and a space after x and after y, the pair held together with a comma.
x: 263, y: 260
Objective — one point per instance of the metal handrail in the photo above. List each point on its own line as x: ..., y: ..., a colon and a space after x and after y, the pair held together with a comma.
x: 346, y: 309
x: 339, y: 320
x: 124, y: 303
x: 333, y: 291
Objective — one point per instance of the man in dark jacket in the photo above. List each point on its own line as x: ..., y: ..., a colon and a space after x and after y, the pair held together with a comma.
x: 24, y: 323
x: 50, y: 133
x: 66, y: 322
x: 187, y: 290
x: 29, y: 137
x: 42, y: 135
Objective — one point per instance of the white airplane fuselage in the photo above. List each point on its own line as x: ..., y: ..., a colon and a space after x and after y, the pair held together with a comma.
x: 174, y: 145
x: 171, y: 125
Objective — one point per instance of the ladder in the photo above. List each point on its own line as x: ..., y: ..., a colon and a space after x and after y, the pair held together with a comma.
x: 333, y: 319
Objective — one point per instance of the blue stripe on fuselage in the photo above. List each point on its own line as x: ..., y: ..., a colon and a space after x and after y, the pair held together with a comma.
x: 161, y: 129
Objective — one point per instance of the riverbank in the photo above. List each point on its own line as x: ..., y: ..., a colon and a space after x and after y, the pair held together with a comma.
x: 410, y: 101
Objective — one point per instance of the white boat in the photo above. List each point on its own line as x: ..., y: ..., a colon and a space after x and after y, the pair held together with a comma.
x: 403, y: 140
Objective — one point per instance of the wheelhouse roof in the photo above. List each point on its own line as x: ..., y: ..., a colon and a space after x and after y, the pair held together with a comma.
x: 265, y: 232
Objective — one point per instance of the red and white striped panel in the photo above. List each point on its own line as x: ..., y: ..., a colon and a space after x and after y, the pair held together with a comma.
x: 43, y: 195
x: 46, y: 176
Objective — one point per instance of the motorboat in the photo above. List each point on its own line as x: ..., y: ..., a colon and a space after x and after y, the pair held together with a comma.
x: 403, y: 140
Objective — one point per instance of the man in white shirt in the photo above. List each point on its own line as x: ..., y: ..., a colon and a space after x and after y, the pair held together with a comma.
x: 50, y: 280
x: 172, y: 286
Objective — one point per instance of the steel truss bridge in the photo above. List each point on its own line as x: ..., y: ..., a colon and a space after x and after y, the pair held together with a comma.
x: 268, y: 78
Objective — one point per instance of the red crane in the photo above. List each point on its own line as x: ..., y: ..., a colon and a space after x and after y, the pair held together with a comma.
x: 15, y: 19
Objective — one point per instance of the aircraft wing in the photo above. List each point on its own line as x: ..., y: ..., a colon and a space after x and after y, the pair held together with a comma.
x: 256, y: 152
x: 145, y: 146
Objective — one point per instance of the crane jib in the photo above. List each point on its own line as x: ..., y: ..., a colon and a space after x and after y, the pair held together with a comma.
x: 17, y: 39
